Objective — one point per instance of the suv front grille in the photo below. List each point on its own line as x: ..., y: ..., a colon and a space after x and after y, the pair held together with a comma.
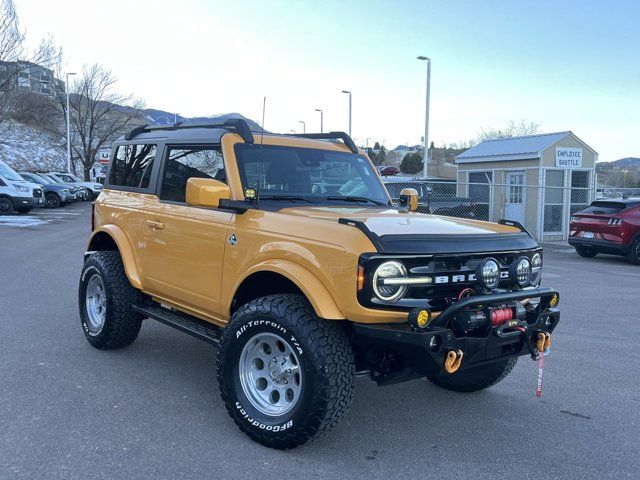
x: 37, y: 193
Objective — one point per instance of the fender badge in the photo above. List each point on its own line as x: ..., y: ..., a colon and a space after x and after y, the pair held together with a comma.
x: 233, y: 239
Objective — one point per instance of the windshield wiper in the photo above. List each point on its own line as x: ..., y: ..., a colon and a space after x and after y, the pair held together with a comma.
x: 352, y: 198
x: 291, y: 198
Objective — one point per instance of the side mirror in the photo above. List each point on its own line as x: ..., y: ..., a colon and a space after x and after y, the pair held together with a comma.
x: 408, y: 199
x: 206, y: 192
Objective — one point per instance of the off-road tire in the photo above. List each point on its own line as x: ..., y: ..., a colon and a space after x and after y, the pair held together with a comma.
x: 326, y: 361
x: 586, y: 252
x: 122, y: 324
x: 6, y: 206
x: 52, y: 200
x: 475, y: 379
x: 23, y: 209
x: 634, y: 252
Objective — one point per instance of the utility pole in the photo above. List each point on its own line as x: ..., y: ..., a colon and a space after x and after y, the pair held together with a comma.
x: 68, y: 124
x: 304, y: 126
x: 321, y: 119
x: 426, y: 120
x: 347, y: 91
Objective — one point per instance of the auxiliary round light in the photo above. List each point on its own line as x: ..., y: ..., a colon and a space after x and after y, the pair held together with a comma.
x: 536, y: 269
x: 488, y: 273
x: 386, y: 271
x: 419, y: 317
x: 521, y: 271
x: 555, y: 300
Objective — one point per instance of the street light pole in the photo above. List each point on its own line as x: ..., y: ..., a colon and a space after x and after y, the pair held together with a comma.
x: 68, y: 124
x: 426, y: 120
x: 347, y: 91
x: 321, y: 119
x: 304, y: 126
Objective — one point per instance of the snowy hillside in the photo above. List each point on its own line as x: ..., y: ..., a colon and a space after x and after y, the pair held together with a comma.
x: 28, y: 148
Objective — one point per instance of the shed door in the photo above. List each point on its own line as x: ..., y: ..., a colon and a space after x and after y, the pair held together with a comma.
x: 514, y: 198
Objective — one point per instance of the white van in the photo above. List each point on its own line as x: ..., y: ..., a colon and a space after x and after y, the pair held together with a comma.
x: 16, y: 194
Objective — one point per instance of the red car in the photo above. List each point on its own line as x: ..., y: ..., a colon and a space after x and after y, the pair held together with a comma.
x: 388, y: 171
x: 608, y: 226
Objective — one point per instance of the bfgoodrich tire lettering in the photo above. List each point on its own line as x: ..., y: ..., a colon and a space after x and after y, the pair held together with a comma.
x: 121, y: 325
x: 475, y: 379
x: 326, y: 365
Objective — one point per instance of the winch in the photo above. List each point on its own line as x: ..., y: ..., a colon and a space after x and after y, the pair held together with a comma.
x: 480, y: 320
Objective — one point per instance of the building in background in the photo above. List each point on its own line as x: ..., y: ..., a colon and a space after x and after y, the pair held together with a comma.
x: 537, y: 180
x: 30, y: 77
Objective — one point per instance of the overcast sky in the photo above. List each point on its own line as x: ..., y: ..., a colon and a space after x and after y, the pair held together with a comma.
x: 566, y: 65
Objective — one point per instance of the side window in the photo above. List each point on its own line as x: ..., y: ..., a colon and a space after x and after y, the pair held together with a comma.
x: 184, y: 163
x: 132, y: 165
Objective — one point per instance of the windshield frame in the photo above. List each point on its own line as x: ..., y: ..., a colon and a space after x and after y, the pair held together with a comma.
x: 342, y: 199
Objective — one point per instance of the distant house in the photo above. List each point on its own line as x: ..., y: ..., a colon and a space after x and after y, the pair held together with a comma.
x: 506, y: 179
x: 30, y: 77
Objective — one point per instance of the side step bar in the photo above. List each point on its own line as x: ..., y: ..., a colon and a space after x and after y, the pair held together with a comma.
x: 182, y: 321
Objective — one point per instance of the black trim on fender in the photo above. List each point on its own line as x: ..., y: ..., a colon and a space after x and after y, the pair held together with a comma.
x: 373, y: 238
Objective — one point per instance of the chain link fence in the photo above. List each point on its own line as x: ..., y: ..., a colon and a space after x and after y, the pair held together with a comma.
x: 544, y: 210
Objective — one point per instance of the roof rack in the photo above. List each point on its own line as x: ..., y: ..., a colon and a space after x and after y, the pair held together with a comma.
x: 239, y: 125
x: 348, y: 141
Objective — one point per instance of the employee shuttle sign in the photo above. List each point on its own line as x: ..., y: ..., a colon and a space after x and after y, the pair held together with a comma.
x: 568, y: 157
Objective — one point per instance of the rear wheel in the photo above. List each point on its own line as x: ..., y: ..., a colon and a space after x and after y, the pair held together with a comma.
x: 586, y: 252
x: 634, y: 252
x: 105, y: 299
x: 475, y: 379
x: 285, y: 375
x: 52, y: 200
x: 6, y: 206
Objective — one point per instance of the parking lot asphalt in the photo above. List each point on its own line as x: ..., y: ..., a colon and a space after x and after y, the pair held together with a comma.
x: 152, y: 410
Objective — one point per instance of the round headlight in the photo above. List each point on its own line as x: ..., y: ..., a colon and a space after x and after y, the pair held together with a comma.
x: 488, y: 273
x: 383, y: 277
x: 536, y: 269
x: 521, y: 271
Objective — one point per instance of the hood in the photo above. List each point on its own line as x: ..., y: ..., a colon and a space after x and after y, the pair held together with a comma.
x: 392, y: 231
x: 25, y: 183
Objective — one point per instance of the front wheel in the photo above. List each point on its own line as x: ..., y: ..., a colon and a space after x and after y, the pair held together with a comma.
x: 6, y: 206
x: 475, y: 379
x: 285, y: 375
x: 52, y: 200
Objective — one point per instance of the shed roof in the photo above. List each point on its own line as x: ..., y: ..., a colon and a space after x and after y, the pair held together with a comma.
x: 514, y: 148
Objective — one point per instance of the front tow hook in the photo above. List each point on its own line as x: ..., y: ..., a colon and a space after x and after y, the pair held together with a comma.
x: 453, y: 361
x: 543, y: 343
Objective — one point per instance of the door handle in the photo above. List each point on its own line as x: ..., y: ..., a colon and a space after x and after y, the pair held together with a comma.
x: 155, y: 225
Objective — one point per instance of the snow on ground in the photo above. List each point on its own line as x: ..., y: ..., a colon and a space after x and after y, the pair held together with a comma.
x: 28, y: 148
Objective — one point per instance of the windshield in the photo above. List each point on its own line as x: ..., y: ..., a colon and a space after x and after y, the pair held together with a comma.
x: 32, y: 177
x: 9, y: 174
x: 308, y: 174
x: 50, y: 177
x: 67, y: 177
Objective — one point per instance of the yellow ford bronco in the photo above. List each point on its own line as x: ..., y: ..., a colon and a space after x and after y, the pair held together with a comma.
x: 286, y: 252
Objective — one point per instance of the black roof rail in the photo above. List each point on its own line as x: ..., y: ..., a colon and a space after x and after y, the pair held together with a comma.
x: 238, y: 124
x: 348, y: 141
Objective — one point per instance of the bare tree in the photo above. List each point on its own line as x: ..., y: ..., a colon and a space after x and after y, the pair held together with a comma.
x: 15, y: 58
x: 98, y: 115
x: 513, y: 128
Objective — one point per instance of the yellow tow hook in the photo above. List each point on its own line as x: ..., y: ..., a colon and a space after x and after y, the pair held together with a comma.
x: 453, y: 360
x: 544, y: 342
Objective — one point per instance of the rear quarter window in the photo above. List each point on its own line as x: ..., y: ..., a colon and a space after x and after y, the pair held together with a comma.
x: 132, y: 165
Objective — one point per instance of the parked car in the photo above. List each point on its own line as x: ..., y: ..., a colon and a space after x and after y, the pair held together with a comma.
x: 428, y: 202
x: 93, y: 189
x: 608, y: 226
x: 17, y: 194
x: 76, y: 192
x: 55, y: 195
x: 388, y: 170
x: 287, y: 256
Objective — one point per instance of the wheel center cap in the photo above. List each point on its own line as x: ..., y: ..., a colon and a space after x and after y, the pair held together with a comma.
x: 278, y: 370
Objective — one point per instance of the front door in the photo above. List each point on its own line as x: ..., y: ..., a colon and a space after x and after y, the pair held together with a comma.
x: 184, y: 246
x: 514, y: 199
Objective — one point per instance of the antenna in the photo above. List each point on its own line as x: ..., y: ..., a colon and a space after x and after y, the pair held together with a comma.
x: 264, y: 108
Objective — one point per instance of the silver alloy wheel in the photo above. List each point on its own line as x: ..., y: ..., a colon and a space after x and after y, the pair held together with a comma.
x: 270, y: 374
x: 96, y: 303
